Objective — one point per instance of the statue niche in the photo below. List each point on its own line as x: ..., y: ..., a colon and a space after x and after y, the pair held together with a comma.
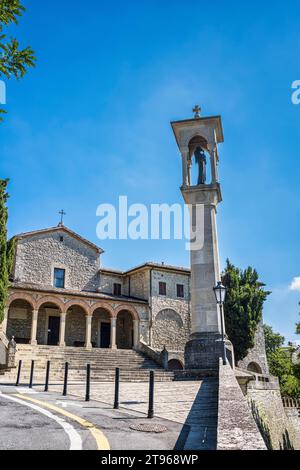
x: 200, y: 159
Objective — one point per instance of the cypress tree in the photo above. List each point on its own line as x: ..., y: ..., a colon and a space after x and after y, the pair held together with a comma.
x: 7, y: 249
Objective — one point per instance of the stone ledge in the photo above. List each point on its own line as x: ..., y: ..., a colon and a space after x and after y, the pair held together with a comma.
x: 237, y: 429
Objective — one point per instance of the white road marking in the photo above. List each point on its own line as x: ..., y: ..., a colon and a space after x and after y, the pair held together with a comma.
x: 75, y: 439
x: 65, y: 404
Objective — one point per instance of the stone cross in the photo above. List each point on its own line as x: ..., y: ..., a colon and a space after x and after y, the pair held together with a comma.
x: 197, y: 111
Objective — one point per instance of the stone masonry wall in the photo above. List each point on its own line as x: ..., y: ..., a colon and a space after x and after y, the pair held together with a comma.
x: 38, y: 255
x: 278, y: 430
x: 139, y: 285
x: 171, y: 317
x: 258, y: 353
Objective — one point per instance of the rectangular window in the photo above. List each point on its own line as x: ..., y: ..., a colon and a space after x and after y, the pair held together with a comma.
x: 117, y: 289
x: 180, y: 291
x: 162, y: 288
x: 59, y: 278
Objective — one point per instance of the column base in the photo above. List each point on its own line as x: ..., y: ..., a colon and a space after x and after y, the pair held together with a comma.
x: 33, y: 342
x: 204, y: 350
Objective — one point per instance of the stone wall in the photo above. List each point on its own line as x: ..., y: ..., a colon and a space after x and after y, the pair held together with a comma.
x: 19, y: 321
x: 140, y: 284
x: 107, y: 281
x: 277, y: 429
x: 237, y: 429
x: 38, y: 255
x: 257, y: 355
x: 171, y: 317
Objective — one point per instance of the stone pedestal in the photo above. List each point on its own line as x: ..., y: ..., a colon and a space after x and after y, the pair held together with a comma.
x: 204, y: 350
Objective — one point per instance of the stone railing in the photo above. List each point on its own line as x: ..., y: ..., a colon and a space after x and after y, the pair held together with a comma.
x: 289, y: 402
x: 161, y: 358
x: 237, y: 429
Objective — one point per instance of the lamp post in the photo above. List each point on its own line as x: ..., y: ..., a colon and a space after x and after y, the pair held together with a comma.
x: 220, y: 294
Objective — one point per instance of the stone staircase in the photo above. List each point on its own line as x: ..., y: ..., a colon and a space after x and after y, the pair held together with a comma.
x: 134, y: 366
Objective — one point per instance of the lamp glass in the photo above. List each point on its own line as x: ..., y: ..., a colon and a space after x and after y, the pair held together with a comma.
x: 220, y: 293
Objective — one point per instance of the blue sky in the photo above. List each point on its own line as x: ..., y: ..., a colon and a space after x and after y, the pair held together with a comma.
x: 91, y: 122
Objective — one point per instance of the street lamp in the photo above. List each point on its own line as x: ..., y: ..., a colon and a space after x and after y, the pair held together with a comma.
x: 220, y: 294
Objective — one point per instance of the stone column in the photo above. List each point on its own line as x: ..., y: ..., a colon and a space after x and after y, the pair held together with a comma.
x: 213, y: 161
x: 4, y: 323
x: 35, y: 314
x: 136, y: 333
x: 62, y: 329
x: 88, y: 332
x: 113, y: 333
x: 185, y: 178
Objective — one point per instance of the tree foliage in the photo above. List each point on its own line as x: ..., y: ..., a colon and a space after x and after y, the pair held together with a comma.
x: 7, y: 249
x: 14, y: 61
x: 243, y: 307
x: 273, y: 340
x: 281, y: 364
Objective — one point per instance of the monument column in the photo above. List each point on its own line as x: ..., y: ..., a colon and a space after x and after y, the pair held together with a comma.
x: 201, y: 135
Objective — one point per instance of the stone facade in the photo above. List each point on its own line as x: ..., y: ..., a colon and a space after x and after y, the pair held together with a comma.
x: 140, y: 313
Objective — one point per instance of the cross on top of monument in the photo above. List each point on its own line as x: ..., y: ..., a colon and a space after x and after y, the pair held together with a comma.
x: 197, y: 111
x: 62, y: 214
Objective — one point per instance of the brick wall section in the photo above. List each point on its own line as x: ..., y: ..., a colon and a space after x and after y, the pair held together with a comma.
x: 38, y: 255
x: 236, y: 426
x: 258, y: 353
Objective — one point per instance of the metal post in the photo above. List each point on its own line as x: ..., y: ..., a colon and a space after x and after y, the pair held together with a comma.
x: 88, y: 382
x: 19, y: 374
x: 31, y: 374
x: 117, y: 389
x: 151, y: 395
x: 66, y: 379
x: 223, y: 336
x: 47, y: 376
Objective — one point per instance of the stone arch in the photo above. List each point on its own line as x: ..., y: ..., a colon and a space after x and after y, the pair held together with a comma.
x: 22, y: 296
x: 254, y: 367
x: 77, y: 302
x: 169, y: 330
x: 102, y: 315
x: 48, y: 299
x: 19, y: 318
x: 104, y: 306
x: 124, y: 329
x: 129, y: 309
x: 175, y: 364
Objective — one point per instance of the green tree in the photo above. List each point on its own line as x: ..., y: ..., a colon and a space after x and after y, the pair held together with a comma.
x: 14, y: 61
x: 243, y: 307
x: 273, y: 340
x: 281, y: 364
x: 7, y: 249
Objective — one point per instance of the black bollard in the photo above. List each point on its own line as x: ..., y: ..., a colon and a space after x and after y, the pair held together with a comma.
x: 47, y: 376
x: 66, y: 379
x: 31, y: 374
x: 151, y: 395
x: 117, y: 389
x: 19, y: 373
x: 88, y: 382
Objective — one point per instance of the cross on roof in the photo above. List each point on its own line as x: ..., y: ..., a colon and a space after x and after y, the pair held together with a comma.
x: 197, y: 111
x: 62, y: 213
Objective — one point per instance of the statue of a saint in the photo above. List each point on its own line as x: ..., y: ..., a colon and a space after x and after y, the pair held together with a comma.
x: 201, y: 161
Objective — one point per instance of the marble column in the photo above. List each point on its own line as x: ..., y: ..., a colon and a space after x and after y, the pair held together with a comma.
x: 34, y: 321
x: 213, y: 160
x: 88, y: 332
x: 62, y: 329
x: 113, y: 333
x: 136, y: 333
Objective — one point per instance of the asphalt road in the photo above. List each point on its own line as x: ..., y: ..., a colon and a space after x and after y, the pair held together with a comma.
x: 31, y: 420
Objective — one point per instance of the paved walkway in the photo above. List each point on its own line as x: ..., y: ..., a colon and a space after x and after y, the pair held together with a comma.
x: 193, y: 404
